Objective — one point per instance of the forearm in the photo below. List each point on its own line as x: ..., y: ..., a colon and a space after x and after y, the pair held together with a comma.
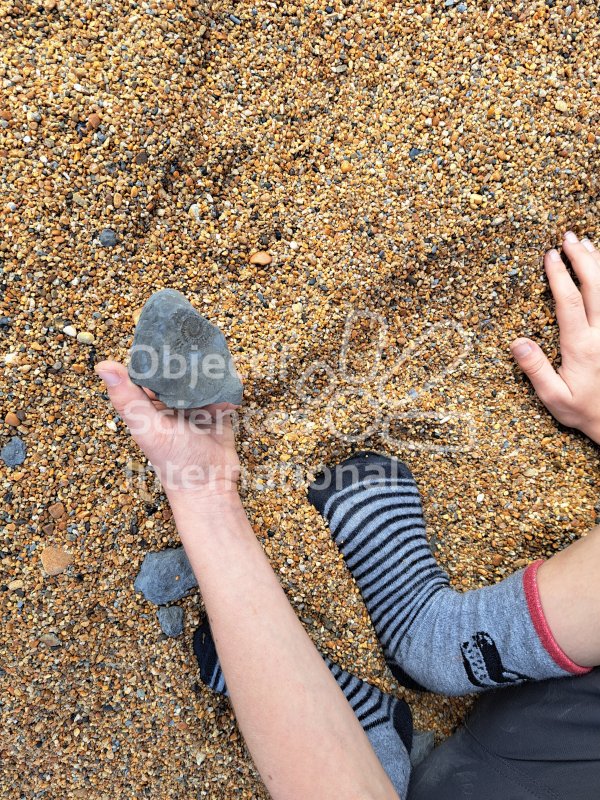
x: 568, y: 587
x: 301, y: 732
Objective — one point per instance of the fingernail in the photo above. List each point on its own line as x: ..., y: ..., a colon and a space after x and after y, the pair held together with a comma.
x: 521, y: 350
x: 588, y: 245
x: 570, y: 237
x: 553, y: 255
x: 109, y: 378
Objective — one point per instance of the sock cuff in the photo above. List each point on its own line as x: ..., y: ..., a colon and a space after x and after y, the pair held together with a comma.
x: 540, y: 623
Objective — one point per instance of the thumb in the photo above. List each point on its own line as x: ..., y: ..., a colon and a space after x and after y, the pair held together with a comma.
x: 549, y: 386
x: 131, y: 403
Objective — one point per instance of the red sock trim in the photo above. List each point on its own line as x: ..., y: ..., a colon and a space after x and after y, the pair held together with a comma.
x: 541, y: 626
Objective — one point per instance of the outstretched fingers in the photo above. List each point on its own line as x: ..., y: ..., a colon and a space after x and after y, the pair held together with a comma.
x: 570, y: 309
x: 585, y: 260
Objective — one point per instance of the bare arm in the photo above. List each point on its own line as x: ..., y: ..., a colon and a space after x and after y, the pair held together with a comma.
x: 303, y: 735
x: 568, y: 582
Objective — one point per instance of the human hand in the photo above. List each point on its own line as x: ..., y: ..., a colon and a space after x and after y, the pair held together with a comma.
x: 571, y: 393
x: 193, y: 452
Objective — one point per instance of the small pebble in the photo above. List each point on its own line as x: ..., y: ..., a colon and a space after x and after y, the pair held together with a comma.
x: 171, y: 620
x: 50, y: 640
x: 261, y: 257
x: 93, y: 121
x: 165, y: 576
x: 108, y: 238
x: 84, y: 337
x: 55, y: 560
x: 57, y: 510
x: 194, y: 212
x: 560, y: 105
x: 12, y: 419
x: 69, y: 330
x: 14, y: 453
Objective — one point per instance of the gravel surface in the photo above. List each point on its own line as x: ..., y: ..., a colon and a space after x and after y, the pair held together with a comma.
x: 404, y: 161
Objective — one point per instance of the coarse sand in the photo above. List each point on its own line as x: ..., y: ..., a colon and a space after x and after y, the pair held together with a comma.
x: 401, y: 167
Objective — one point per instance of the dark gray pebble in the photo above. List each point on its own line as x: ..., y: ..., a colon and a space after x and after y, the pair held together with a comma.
x: 14, y: 452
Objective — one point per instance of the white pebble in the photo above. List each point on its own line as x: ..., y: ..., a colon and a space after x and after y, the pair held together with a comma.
x: 85, y: 338
x: 70, y: 331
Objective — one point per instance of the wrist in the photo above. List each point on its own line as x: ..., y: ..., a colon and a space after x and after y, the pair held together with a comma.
x: 209, y: 500
x: 594, y: 434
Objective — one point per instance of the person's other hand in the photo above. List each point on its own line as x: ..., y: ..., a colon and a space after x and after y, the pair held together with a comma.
x: 193, y: 452
x: 572, y: 393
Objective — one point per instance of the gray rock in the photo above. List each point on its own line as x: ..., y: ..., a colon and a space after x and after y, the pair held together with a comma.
x: 422, y: 744
x: 108, y: 238
x: 171, y: 620
x: 14, y: 452
x: 165, y: 576
x: 181, y: 356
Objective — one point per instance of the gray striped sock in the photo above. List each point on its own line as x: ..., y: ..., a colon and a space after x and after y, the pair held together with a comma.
x: 433, y: 637
x: 386, y: 720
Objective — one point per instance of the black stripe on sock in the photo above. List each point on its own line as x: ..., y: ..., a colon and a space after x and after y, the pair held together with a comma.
x: 390, y: 486
x: 358, y: 527
x: 345, y: 682
x: 365, y: 502
x: 413, y: 613
x: 352, y: 694
x: 398, y: 571
x: 368, y: 693
x: 372, y: 709
x: 386, y: 524
x: 409, y: 593
x: 400, y: 551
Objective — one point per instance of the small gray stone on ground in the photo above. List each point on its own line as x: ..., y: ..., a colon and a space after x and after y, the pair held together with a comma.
x: 165, y: 576
x: 422, y: 744
x: 14, y: 452
x: 181, y: 356
x: 171, y: 620
x: 108, y: 238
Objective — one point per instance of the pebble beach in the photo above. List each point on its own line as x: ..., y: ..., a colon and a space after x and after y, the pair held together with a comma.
x: 359, y: 195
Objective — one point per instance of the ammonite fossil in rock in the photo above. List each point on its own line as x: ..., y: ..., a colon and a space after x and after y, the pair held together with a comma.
x: 181, y: 356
